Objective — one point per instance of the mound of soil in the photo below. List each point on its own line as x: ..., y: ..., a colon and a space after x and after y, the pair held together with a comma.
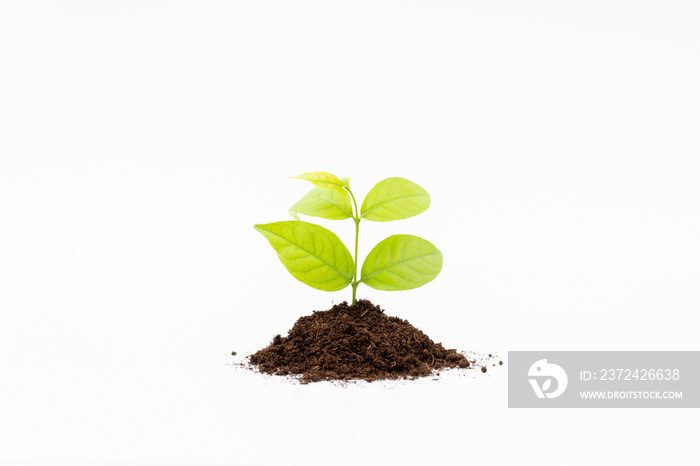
x: 355, y: 342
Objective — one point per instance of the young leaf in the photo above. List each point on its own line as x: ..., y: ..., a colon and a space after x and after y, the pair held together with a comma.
x: 401, y: 262
x: 323, y: 180
x: 333, y: 205
x: 394, y: 199
x: 311, y: 253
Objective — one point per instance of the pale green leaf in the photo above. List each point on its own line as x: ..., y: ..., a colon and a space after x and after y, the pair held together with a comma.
x: 311, y: 253
x: 333, y: 205
x: 394, y: 199
x: 401, y: 262
x: 323, y: 180
x: 294, y: 214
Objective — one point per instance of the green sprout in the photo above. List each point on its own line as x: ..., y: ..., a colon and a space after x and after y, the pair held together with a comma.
x: 315, y: 255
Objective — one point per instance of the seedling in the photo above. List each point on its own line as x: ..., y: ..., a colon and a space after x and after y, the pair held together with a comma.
x: 315, y: 255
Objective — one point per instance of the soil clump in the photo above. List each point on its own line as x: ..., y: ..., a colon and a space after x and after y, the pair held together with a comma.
x: 355, y: 342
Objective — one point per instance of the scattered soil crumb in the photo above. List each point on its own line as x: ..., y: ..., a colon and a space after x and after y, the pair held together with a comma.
x: 355, y: 342
x: 483, y: 368
x: 233, y: 353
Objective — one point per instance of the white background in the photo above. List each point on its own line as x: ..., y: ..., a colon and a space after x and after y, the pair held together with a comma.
x: 140, y: 141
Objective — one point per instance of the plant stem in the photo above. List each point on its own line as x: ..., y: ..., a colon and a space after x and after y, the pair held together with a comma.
x: 354, y: 278
x: 356, y: 217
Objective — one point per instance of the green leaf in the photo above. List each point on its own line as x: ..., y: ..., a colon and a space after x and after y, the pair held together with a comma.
x: 394, y: 199
x: 311, y: 253
x: 323, y: 180
x: 401, y: 262
x: 333, y: 205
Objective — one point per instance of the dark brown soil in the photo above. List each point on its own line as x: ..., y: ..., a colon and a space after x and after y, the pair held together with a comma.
x: 354, y: 342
